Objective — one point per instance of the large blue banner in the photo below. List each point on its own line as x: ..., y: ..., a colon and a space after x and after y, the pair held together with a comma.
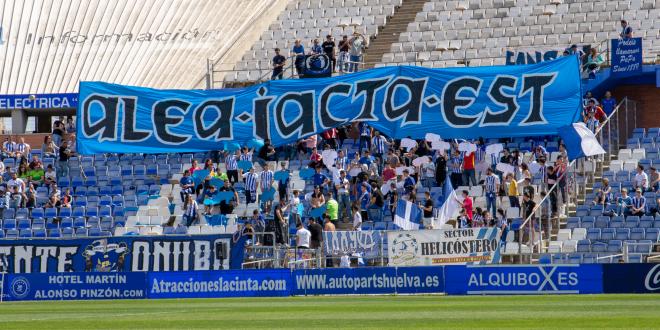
x: 631, y: 278
x: 74, y: 286
x: 503, y: 101
x: 626, y: 57
x: 532, y: 279
x: 376, y: 280
x: 217, y: 284
x: 116, y: 254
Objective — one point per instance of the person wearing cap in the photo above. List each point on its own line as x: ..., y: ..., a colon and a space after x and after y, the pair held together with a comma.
x: 624, y: 203
x: 638, y: 203
x: 278, y: 65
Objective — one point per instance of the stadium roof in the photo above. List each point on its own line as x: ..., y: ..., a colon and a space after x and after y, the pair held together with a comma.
x: 49, y: 46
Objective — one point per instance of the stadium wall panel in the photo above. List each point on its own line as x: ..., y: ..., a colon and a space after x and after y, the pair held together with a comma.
x: 631, y: 278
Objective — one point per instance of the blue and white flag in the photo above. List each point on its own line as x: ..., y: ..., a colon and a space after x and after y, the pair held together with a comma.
x: 408, y: 215
x: 580, y: 141
x: 449, y: 204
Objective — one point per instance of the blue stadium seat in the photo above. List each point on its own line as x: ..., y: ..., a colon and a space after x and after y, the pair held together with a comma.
x: 37, y: 213
x: 614, y: 246
x: 79, y: 222
x: 67, y: 232
x: 11, y: 233
x: 39, y: 233
x: 573, y: 222
x: 169, y: 230
x: 81, y: 232
x: 54, y: 233
x: 25, y: 233
x: 22, y: 213
x: 93, y: 222
x: 52, y: 224
x: 622, y: 234
x: 652, y: 234
x: 117, y: 200
x: 9, y: 224
x: 584, y: 245
x: 24, y: 224
x: 593, y: 234
x: 50, y: 213
x: 607, y: 234
x: 94, y: 232
x: 637, y: 233
x: 92, y: 191
x: 105, y: 211
x: 66, y: 223
x: 65, y: 212
x: 39, y: 223
x: 80, y: 201
x: 78, y: 212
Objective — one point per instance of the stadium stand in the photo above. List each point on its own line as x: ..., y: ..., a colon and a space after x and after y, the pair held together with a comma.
x: 135, y: 194
x: 481, y: 32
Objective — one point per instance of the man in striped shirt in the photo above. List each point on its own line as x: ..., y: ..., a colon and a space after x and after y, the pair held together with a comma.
x: 246, y: 155
x: 231, y: 163
x: 22, y: 148
x: 638, y: 203
x: 266, y: 178
x: 380, y: 145
x: 455, y: 163
x: 341, y: 161
x: 250, y: 186
x: 491, y: 187
x: 8, y: 148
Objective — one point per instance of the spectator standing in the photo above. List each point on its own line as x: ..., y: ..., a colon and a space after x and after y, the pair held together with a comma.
x: 357, y: 218
x: 440, y: 170
x: 626, y: 30
x: 427, y: 211
x: 512, y: 191
x: 298, y: 52
x: 186, y: 183
x: 316, y: 47
x: 278, y: 65
x: 62, y: 165
x: 455, y: 164
x: 491, y: 187
x: 608, y: 103
x: 70, y: 125
x: 467, y: 204
x: 329, y: 50
x: 250, y: 179
x: 343, y: 46
x: 58, y: 131
x: 316, y: 234
x: 593, y: 62
x: 358, y: 42
x: 343, y: 195
x: 303, y: 237
x: 332, y: 207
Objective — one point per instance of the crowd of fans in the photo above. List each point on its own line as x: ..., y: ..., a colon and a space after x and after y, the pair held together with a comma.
x: 27, y: 182
x: 345, y: 56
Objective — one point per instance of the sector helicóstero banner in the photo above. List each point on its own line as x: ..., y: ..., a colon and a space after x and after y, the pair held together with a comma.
x: 404, y: 101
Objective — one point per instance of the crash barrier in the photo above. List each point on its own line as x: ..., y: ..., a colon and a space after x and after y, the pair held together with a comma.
x: 452, y: 280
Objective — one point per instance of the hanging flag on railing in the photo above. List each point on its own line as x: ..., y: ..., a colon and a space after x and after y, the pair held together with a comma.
x: 580, y: 141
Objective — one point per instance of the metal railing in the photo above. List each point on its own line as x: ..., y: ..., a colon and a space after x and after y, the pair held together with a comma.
x: 536, y: 244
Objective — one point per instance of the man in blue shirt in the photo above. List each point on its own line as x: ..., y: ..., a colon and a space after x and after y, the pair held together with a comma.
x: 408, y: 181
x: 320, y: 179
x: 187, y: 185
x: 608, y: 103
x: 278, y: 65
x: 299, y: 52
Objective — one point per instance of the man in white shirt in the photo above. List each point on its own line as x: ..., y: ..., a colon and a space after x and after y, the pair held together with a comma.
x: 303, y: 236
x: 50, y: 177
x: 16, y: 182
x: 357, y: 218
x: 641, y: 179
x: 343, y: 198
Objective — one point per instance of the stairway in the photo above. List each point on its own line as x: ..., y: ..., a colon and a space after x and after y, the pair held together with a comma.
x: 390, y: 32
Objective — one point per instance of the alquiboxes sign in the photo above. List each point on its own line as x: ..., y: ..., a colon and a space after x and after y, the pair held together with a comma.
x: 631, y: 278
x: 437, y: 247
x: 532, y: 279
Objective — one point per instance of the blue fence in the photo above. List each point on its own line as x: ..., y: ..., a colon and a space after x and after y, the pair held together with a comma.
x: 453, y: 280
